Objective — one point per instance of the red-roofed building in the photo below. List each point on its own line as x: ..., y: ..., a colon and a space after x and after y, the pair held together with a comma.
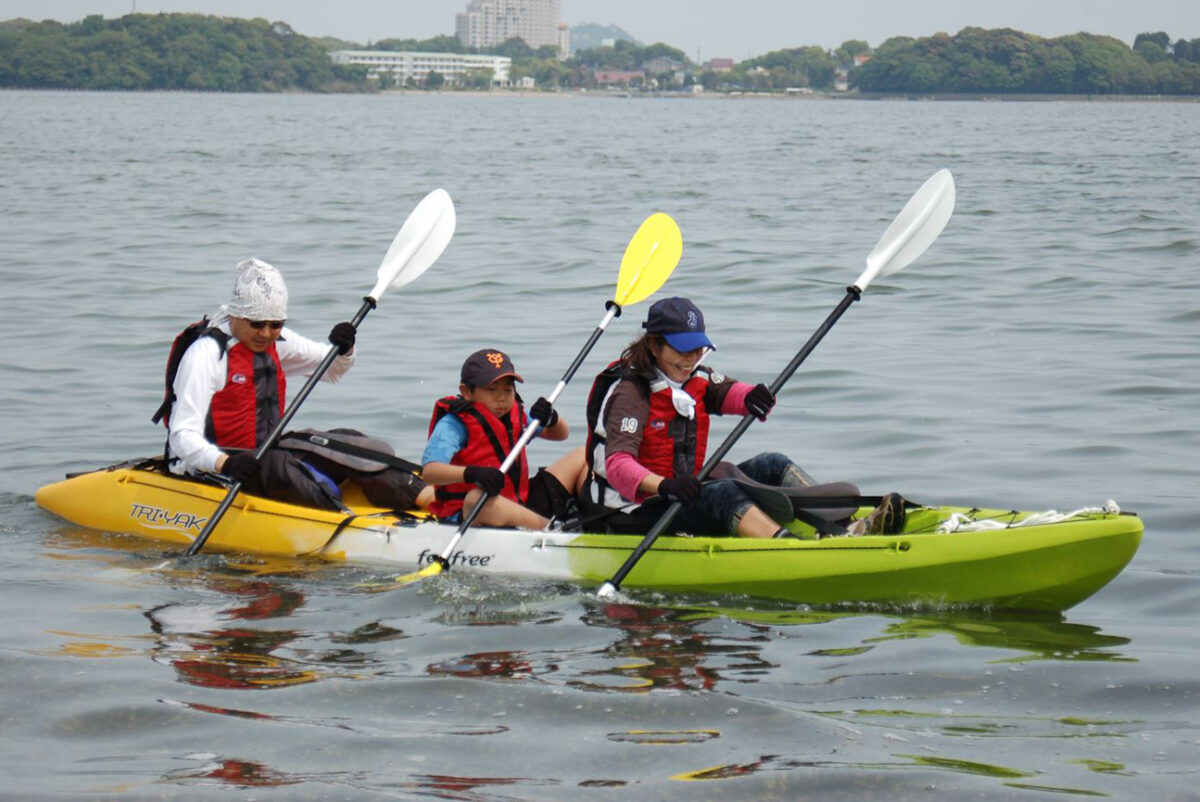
x: 618, y: 77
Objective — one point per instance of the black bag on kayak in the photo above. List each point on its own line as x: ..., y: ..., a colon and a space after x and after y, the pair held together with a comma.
x: 183, y: 341
x: 340, y: 454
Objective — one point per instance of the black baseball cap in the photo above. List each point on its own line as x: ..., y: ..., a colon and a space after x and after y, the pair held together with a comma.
x: 680, y: 323
x: 485, y: 366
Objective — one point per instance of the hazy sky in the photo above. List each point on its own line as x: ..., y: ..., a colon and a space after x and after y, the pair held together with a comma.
x: 731, y: 28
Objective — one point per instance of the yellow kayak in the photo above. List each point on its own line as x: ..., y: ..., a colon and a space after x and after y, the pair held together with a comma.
x: 946, y: 556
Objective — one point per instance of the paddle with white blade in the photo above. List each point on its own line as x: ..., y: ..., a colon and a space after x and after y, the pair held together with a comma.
x: 418, y: 244
x: 649, y: 259
x: 914, y: 229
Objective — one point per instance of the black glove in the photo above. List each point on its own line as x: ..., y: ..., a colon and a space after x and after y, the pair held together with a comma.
x: 489, y: 480
x: 680, y: 488
x: 342, y: 336
x: 243, y: 467
x: 759, y: 401
x: 543, y: 413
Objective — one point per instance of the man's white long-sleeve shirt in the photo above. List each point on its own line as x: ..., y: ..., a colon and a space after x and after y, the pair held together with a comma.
x: 202, y: 374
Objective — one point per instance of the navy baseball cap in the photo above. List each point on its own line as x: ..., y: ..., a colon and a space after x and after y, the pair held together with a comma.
x: 485, y: 366
x: 680, y: 323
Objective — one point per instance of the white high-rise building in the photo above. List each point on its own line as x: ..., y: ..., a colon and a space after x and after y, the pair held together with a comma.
x: 487, y: 23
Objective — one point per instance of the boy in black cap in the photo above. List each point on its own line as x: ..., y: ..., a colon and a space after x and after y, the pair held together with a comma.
x: 471, y: 434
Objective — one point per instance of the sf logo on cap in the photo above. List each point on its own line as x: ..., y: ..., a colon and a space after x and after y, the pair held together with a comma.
x: 496, y: 359
x: 692, y: 320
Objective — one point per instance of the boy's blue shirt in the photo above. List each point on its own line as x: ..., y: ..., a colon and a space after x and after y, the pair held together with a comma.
x: 449, y: 436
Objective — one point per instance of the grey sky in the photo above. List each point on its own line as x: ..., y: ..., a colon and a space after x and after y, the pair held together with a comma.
x: 709, y: 28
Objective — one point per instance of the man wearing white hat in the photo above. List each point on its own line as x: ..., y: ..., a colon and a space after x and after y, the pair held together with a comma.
x: 229, y: 393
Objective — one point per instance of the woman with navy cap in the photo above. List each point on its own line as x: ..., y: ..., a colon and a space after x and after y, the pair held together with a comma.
x: 648, y: 422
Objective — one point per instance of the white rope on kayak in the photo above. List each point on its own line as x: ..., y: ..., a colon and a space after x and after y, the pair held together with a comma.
x: 961, y: 522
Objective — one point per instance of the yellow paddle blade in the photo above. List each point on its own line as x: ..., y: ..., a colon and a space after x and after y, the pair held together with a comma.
x: 404, y: 580
x: 433, y: 569
x: 649, y: 259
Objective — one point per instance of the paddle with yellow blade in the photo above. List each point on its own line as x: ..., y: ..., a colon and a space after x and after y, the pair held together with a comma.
x: 649, y: 259
x: 910, y: 234
x: 417, y: 245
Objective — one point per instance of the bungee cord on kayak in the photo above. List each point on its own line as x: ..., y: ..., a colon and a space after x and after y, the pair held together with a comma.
x: 965, y: 522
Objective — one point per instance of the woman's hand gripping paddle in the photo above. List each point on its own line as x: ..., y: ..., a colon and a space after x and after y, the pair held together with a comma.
x: 914, y: 229
x: 418, y: 244
x: 649, y: 259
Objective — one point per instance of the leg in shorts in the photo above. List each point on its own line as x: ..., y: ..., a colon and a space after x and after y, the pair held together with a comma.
x: 548, y: 498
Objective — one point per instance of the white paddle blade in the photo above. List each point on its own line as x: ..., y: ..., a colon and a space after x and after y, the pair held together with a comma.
x: 914, y: 229
x: 418, y: 244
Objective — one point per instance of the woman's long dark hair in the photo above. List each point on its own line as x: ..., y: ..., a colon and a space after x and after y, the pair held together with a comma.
x: 638, y: 356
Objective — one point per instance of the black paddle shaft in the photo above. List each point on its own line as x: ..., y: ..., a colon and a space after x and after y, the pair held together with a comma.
x: 852, y: 295
x: 615, y: 308
x: 288, y: 414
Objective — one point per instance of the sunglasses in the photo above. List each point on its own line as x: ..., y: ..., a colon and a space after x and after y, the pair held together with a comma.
x: 275, y: 325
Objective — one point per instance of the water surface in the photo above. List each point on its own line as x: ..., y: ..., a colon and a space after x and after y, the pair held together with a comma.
x: 1041, y: 355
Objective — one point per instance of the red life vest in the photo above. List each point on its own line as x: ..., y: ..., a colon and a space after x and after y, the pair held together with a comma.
x: 183, y: 341
x: 248, y: 407
x: 489, y: 440
x: 671, y: 444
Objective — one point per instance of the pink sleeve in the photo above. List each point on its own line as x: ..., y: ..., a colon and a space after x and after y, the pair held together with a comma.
x: 735, y: 399
x: 625, y: 473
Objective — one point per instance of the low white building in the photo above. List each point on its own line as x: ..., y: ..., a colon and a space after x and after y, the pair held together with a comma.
x: 454, y: 67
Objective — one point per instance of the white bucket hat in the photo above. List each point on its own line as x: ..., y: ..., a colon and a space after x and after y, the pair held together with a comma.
x: 258, y: 292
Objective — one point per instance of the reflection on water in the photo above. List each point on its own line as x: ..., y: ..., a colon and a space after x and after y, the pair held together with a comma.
x: 197, y: 642
x: 373, y: 632
x: 728, y: 771
x: 1033, y: 637
x: 675, y: 647
x: 967, y: 766
x: 670, y: 648
x: 250, y: 627
x: 222, y: 711
x: 449, y: 786
x: 962, y: 725
x: 660, y: 648
x: 242, y: 773
x: 123, y: 552
x: 487, y: 665
x: 200, y: 643
x: 89, y: 648
x: 775, y: 763
x: 239, y: 773
x: 664, y: 737
x: 1037, y: 640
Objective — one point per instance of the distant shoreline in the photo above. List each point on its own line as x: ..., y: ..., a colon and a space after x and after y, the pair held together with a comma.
x: 911, y: 97
x: 816, y: 96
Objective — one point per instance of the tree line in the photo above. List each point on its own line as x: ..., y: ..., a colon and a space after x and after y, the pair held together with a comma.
x: 167, y: 51
x: 198, y: 52
x: 1005, y: 61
